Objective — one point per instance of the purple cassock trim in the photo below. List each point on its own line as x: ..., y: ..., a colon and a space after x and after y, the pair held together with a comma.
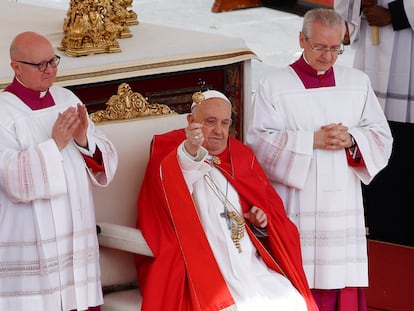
x: 30, y: 97
x: 310, y: 77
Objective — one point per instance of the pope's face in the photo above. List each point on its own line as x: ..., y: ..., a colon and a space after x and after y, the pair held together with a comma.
x: 322, y: 39
x: 215, y: 116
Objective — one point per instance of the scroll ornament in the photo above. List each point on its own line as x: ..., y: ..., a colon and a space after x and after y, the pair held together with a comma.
x: 129, y: 105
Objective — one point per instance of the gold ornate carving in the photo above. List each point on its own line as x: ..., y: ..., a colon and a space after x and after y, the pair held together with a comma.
x: 131, y: 16
x: 92, y: 26
x: 129, y: 105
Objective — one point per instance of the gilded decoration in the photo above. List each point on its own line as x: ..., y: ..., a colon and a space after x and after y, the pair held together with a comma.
x: 131, y: 16
x: 129, y: 105
x: 93, y: 26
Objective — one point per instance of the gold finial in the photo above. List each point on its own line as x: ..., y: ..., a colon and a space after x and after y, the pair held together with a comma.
x: 198, y: 97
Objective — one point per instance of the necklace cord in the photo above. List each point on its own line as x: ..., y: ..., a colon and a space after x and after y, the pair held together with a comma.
x: 234, y: 219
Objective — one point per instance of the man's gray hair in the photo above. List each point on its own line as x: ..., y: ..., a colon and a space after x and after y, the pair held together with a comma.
x: 327, y: 17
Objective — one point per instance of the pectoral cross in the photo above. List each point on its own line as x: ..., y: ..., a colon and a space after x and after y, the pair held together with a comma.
x: 226, y: 215
x: 235, y: 222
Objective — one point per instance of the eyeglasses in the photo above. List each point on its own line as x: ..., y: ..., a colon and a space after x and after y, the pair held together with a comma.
x: 321, y: 49
x: 42, y: 66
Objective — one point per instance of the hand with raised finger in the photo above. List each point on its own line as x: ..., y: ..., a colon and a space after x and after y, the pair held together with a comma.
x: 194, y: 138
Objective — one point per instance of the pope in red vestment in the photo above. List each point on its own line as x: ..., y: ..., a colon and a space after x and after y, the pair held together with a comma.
x: 184, y: 275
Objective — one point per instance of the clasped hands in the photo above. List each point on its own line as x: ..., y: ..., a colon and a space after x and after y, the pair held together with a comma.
x: 71, y: 124
x: 333, y: 136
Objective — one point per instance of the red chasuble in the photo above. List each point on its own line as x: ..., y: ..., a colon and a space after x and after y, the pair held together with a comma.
x: 183, y: 275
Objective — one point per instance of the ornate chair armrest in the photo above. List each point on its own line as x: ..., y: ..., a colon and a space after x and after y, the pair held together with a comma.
x: 122, y: 238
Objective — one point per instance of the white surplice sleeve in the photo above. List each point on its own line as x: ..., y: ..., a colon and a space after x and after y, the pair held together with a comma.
x: 284, y: 154
x: 34, y: 173
x: 350, y: 11
x: 373, y: 137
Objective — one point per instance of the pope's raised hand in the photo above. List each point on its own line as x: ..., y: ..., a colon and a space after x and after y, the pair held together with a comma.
x: 194, y: 137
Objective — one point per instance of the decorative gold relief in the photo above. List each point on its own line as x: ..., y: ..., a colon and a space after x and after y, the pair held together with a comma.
x: 92, y: 26
x: 129, y: 105
x: 131, y: 16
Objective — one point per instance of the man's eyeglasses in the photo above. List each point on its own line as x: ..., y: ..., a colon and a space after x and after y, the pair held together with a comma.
x: 42, y: 66
x: 321, y: 49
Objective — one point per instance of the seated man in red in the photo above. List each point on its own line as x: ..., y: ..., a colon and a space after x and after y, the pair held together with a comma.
x: 218, y: 230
